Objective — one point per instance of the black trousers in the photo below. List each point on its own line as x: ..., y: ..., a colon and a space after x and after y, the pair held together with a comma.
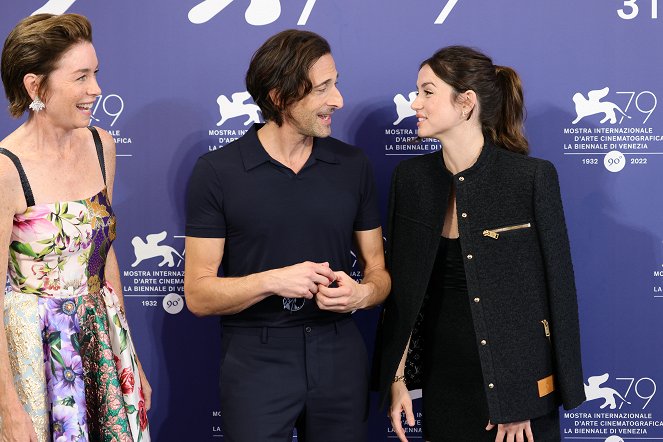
x: 313, y: 378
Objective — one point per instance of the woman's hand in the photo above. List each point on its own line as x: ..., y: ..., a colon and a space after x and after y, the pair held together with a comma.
x: 17, y: 427
x: 513, y: 432
x: 147, y: 389
x: 400, y: 401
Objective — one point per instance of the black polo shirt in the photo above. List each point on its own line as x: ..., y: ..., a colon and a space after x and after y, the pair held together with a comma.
x: 271, y: 217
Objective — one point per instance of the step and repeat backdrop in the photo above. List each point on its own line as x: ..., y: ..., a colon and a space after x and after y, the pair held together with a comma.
x: 172, y: 75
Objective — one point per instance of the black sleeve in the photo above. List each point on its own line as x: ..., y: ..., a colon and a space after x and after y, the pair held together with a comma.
x: 565, y: 329
x: 391, y: 207
x: 205, y: 217
x: 368, y: 215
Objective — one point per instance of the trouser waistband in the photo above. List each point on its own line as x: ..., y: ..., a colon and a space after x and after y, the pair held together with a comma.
x: 289, y: 332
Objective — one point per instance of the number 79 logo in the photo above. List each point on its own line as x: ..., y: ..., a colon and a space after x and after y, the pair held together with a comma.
x: 258, y: 13
x: 264, y: 12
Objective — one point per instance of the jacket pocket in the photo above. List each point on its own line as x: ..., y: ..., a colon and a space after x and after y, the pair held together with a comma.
x: 495, y: 233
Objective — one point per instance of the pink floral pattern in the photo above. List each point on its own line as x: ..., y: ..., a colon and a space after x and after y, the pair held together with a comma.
x: 33, y: 224
x: 58, y: 253
x: 127, y: 381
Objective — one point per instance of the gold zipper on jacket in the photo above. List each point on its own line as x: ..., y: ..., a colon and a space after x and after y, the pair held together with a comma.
x: 546, y: 328
x: 495, y: 233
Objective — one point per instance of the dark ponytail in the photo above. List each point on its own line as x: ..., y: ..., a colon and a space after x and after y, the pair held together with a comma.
x: 498, y: 89
x: 508, y: 130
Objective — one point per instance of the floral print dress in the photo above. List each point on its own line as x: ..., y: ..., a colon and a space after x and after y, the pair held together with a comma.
x: 73, y: 361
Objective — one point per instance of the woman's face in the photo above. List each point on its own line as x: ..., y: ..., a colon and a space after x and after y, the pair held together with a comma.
x: 73, y: 88
x: 437, y: 109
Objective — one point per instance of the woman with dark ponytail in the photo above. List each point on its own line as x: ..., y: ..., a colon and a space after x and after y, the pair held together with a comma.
x: 483, y: 314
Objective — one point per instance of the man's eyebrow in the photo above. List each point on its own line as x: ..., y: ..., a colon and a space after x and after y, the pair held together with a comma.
x: 326, y: 82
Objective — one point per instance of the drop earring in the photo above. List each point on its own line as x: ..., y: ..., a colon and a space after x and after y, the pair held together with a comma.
x: 37, y: 105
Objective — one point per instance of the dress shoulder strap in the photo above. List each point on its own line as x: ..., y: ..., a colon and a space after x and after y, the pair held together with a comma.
x: 100, y: 150
x: 27, y: 191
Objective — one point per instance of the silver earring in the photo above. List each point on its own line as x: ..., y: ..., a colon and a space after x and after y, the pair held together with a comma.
x: 37, y: 105
x: 464, y: 114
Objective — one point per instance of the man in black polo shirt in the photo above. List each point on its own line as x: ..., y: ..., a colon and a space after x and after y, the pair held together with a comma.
x: 278, y: 209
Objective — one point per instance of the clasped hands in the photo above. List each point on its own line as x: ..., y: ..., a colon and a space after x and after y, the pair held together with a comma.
x: 310, y: 279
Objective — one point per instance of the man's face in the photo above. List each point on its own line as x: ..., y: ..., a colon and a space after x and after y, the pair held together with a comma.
x: 311, y: 116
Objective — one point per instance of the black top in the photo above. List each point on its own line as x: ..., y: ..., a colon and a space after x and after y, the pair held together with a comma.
x: 454, y: 403
x: 271, y: 217
x: 448, y: 331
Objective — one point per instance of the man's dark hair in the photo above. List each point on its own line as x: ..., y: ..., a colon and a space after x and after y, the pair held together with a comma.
x: 278, y: 74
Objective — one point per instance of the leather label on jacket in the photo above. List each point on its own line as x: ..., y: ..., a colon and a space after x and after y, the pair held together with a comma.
x: 546, y: 386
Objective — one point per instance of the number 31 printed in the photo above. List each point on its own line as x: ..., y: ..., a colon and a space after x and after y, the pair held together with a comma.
x: 631, y: 9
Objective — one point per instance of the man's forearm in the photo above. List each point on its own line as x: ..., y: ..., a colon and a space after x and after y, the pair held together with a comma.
x: 213, y: 295
x: 378, y: 282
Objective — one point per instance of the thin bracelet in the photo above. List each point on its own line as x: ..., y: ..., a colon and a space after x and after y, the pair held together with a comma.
x: 399, y: 377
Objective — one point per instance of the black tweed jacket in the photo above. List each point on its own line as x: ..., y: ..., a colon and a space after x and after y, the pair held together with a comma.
x: 519, y: 278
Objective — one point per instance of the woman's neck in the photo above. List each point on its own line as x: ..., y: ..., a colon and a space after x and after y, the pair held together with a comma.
x: 460, y: 153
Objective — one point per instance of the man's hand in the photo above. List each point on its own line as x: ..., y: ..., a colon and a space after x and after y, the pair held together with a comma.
x: 301, y: 280
x: 347, y: 297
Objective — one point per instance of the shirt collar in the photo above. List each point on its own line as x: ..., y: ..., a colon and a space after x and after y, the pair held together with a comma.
x: 323, y: 151
x: 254, y: 154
